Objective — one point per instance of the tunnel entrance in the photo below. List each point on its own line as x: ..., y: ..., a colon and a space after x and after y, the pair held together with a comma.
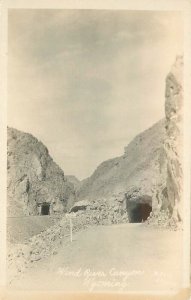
x: 45, y: 209
x: 139, y: 212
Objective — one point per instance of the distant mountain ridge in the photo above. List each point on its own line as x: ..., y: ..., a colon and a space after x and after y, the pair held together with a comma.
x: 74, y: 180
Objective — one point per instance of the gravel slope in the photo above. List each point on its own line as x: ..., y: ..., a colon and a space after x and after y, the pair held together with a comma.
x: 20, y: 229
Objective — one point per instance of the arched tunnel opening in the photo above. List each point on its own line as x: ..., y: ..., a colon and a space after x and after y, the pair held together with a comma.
x: 139, y: 209
x: 139, y: 213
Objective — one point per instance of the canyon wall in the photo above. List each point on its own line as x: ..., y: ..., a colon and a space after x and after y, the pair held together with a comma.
x: 174, y: 137
x: 133, y: 175
x: 33, y: 178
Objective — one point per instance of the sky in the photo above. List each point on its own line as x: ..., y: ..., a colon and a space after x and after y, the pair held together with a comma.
x: 86, y: 82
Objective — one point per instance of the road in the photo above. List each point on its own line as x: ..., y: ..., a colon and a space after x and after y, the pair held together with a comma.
x: 125, y: 257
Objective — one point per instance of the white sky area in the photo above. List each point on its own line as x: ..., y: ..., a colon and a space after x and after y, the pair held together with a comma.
x: 86, y: 82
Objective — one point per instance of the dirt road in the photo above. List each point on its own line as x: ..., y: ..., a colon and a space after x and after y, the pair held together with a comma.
x: 116, y: 258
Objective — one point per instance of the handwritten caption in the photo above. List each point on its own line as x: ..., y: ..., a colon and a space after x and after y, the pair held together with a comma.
x: 109, y: 279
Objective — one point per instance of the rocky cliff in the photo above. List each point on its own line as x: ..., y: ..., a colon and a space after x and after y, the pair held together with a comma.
x: 150, y: 170
x: 135, y: 173
x: 174, y: 135
x: 34, y: 178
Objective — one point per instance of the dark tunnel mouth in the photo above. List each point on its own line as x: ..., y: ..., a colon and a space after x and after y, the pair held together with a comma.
x: 45, y: 209
x: 139, y: 212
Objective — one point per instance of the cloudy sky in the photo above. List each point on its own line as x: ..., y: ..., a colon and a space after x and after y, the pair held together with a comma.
x: 86, y: 82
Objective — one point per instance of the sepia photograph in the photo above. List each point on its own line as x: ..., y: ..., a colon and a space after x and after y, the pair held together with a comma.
x: 95, y: 150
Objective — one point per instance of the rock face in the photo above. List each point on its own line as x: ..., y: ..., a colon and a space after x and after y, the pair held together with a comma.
x: 174, y: 134
x: 133, y: 175
x: 36, y: 184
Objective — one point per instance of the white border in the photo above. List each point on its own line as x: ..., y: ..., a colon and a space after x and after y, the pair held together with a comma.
x: 162, y: 5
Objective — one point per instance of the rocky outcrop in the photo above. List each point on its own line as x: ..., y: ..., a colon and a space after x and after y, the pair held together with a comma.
x: 34, y: 178
x: 174, y: 135
x: 136, y: 172
x: 80, y: 206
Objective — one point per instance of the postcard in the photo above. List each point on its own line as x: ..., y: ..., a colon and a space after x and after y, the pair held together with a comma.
x: 95, y: 127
